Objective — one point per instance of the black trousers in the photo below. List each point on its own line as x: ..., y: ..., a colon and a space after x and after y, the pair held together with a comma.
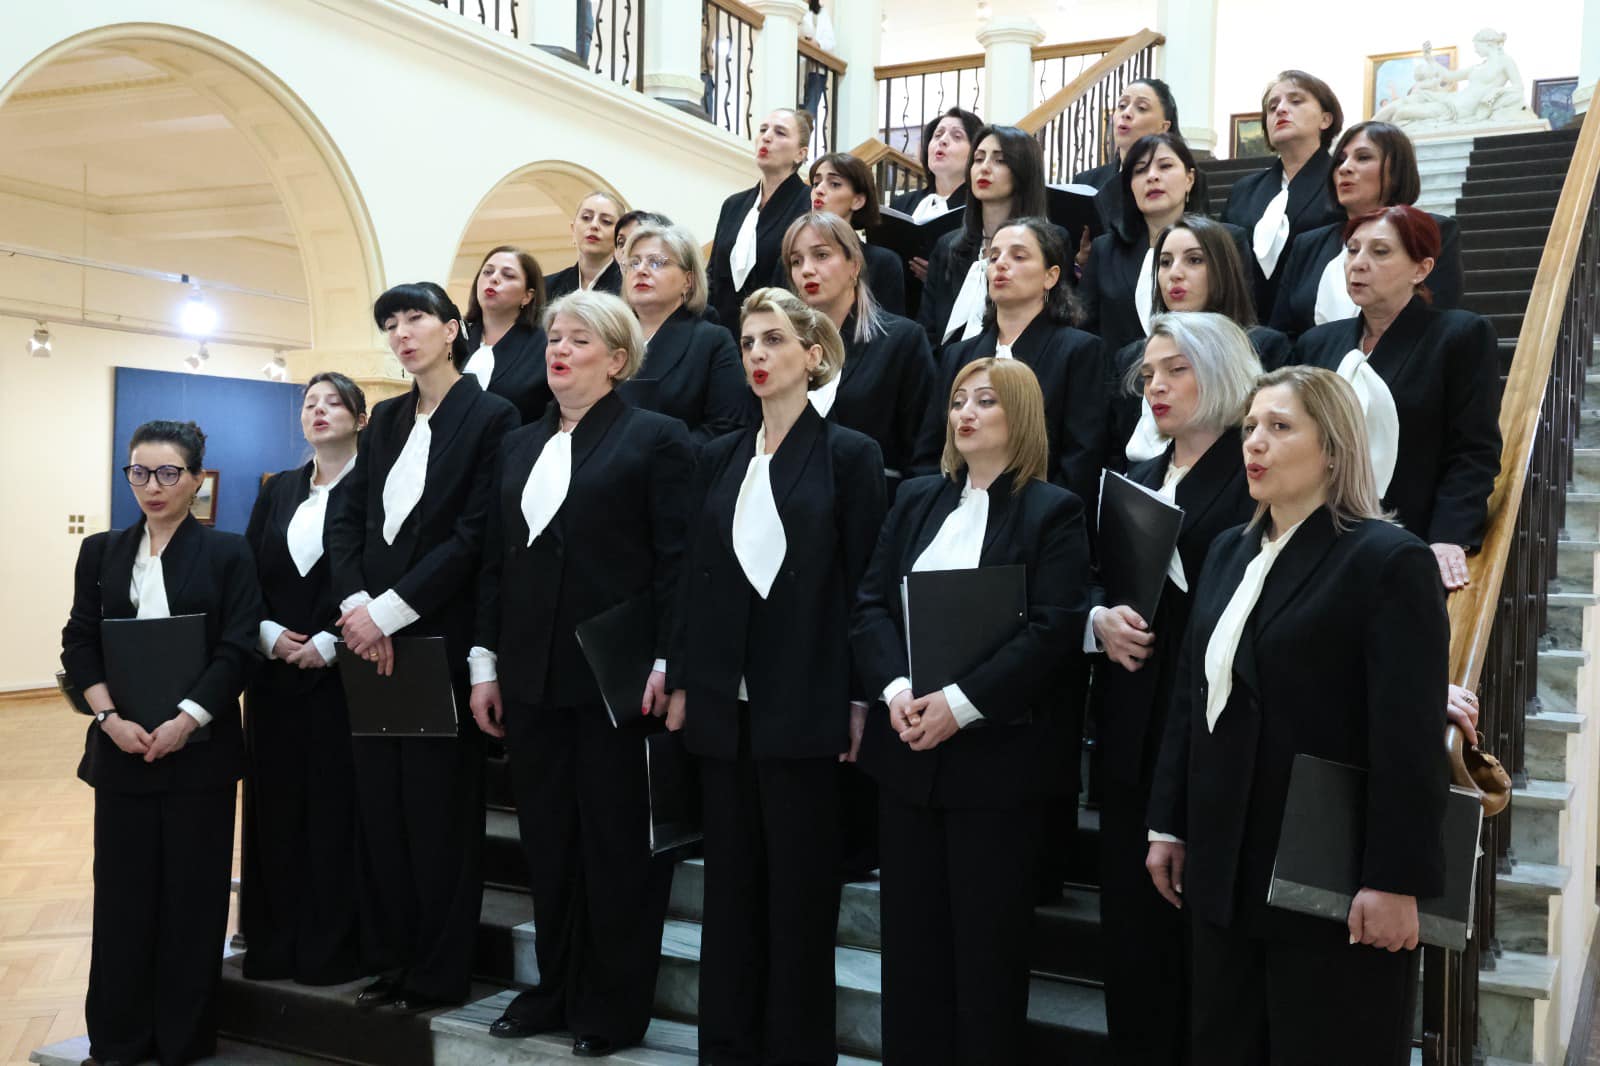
x: 599, y: 897
x: 163, y: 867
x: 858, y: 823
x: 1258, y: 1002
x: 957, y: 911
x: 771, y: 910
x: 299, y: 892
x: 1147, y: 964
x: 421, y: 804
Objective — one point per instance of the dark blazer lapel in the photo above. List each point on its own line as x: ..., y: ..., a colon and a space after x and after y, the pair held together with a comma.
x: 1030, y: 344
x: 1265, y: 189
x: 1241, y: 551
x: 776, y: 209
x: 1399, y: 342
x: 1309, y: 185
x: 1203, y: 485
x: 792, y: 456
x: 668, y: 346
x: 1001, y: 511
x: 1152, y: 472
x: 940, y: 506
x: 854, y: 351
x: 117, y: 571
x: 451, y: 415
x: 178, y: 558
x: 1300, y: 559
x: 593, y: 427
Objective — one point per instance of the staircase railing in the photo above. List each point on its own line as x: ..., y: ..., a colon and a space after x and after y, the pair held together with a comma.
x: 1073, y: 123
x: 1497, y: 620
x: 727, y: 63
x: 817, y: 75
x: 893, y: 171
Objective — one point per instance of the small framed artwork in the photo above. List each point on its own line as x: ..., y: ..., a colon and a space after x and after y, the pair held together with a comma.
x: 1390, y: 75
x: 1247, y: 136
x: 1552, y: 100
x: 204, y: 507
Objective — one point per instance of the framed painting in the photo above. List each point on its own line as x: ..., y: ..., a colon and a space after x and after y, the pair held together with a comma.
x: 204, y: 507
x: 1247, y: 136
x: 1391, y: 75
x: 1552, y: 100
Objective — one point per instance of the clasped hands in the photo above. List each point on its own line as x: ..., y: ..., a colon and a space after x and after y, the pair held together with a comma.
x: 166, y: 738
x: 923, y: 722
x: 296, y: 649
x: 363, y: 637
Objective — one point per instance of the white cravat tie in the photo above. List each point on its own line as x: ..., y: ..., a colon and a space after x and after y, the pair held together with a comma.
x: 966, y: 314
x: 1146, y: 441
x: 149, y: 586
x: 1377, y: 404
x: 931, y: 206
x: 959, y: 542
x: 1333, y: 295
x: 482, y: 364
x: 822, y: 396
x: 305, y: 525
x: 758, y: 540
x: 1003, y: 351
x: 1142, y: 294
x: 1169, y: 492
x: 407, y: 478
x: 547, y: 484
x: 1272, y: 231
x: 742, y: 258
x: 1224, y: 642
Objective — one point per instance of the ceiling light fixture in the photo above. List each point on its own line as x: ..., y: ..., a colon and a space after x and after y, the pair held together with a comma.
x: 197, y: 359
x: 39, y: 343
x: 196, y: 317
x: 276, y: 370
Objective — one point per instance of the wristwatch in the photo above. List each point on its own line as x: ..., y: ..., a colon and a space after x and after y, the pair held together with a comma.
x: 101, y: 716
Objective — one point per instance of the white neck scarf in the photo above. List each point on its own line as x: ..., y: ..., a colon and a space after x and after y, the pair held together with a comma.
x: 959, y: 542
x: 148, y: 589
x: 1003, y: 351
x: 758, y: 540
x: 407, y: 478
x: 482, y: 364
x: 742, y: 257
x: 966, y: 314
x: 1224, y: 642
x: 1377, y: 404
x: 931, y: 206
x: 1333, y: 294
x: 305, y: 525
x: 546, y: 488
x: 1142, y: 290
x: 822, y: 396
x: 1169, y: 492
x: 1272, y: 230
x: 1146, y: 441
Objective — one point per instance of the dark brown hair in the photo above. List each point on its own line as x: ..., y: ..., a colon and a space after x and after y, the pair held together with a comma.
x: 859, y: 176
x: 1316, y: 87
x: 529, y: 316
x: 1399, y: 182
x: 1228, y: 288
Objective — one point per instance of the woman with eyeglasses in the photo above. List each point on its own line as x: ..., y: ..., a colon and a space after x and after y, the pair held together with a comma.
x: 593, y: 234
x: 691, y: 368
x: 504, y: 339
x: 163, y: 796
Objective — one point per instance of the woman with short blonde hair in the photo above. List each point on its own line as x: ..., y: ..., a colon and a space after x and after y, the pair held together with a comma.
x: 608, y: 316
x: 1017, y: 390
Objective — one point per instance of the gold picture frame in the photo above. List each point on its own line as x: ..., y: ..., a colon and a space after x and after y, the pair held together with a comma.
x: 1389, y: 75
x: 204, y: 507
x: 1247, y: 136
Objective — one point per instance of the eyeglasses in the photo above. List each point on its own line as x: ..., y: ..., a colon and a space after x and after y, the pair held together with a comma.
x: 656, y: 263
x: 165, y: 475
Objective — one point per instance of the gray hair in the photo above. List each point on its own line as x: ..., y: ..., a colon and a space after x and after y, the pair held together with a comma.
x: 1225, y: 364
x: 605, y: 314
x: 680, y: 245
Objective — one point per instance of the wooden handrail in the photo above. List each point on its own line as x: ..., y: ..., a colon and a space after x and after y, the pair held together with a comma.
x: 1067, y: 95
x: 1472, y: 610
x: 741, y: 11
x: 1076, y: 48
x: 873, y: 151
x: 811, y: 51
x: 975, y: 59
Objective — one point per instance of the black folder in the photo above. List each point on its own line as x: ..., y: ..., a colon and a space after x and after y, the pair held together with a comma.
x: 1318, y: 866
x: 912, y: 240
x: 1138, y: 531
x: 619, y: 644
x: 1073, y: 208
x: 674, y: 794
x: 956, y: 619
x: 152, y: 665
x: 416, y: 700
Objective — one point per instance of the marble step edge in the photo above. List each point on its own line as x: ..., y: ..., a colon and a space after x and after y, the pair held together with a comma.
x: 1578, y: 546
x: 1573, y: 599
x: 1556, y: 721
x: 230, y: 1052
x: 1573, y: 657
x: 1544, y: 795
x: 1520, y: 975
x: 1492, y: 1060
x: 1532, y: 880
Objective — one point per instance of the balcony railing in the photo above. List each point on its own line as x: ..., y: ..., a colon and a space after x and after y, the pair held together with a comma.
x: 911, y: 94
x: 499, y: 15
x: 615, y: 45
x: 817, y: 75
x: 727, y: 43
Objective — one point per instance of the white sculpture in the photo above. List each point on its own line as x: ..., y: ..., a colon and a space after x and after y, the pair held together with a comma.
x: 1491, y: 98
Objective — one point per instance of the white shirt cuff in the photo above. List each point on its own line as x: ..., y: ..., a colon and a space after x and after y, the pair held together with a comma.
x: 327, y: 646
x: 481, y: 665
x: 659, y: 666
x: 390, y: 613
x: 965, y: 713
x: 270, y: 632
x: 354, y: 600
x: 201, y: 716
x: 1091, y: 643
x: 1162, y: 838
x: 895, y: 687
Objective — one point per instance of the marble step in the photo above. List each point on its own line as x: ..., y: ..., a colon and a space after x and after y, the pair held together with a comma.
x: 1523, y: 915
x: 1583, y: 510
x: 1558, y: 676
x: 1539, y: 820
x: 1575, y: 563
x: 229, y: 1053
x: 1549, y: 739
x: 1591, y: 383
x: 1492, y: 1060
x: 1563, y: 617
x: 1586, y: 469
x: 1513, y: 1000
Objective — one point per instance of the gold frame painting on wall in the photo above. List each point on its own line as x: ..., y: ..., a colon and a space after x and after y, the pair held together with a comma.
x: 1247, y: 136
x: 1396, y: 66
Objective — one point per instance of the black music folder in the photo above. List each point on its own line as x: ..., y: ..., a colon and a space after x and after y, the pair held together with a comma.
x: 1138, y: 532
x: 955, y: 619
x: 912, y: 240
x: 674, y: 794
x: 151, y: 666
x: 619, y: 645
x: 1318, y: 867
x: 417, y: 700
x: 1073, y: 208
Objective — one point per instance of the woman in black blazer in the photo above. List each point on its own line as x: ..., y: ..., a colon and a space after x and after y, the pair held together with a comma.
x: 1318, y: 629
x: 945, y: 150
x: 298, y: 908
x: 1158, y: 187
x: 163, y: 800
x: 782, y: 518
x: 843, y: 185
x: 965, y: 770
x: 1196, y: 371
x: 593, y: 235
x: 1300, y: 116
x: 504, y: 341
x: 556, y: 555
x: 691, y: 367
x: 751, y: 225
x: 1438, y: 452
x: 1374, y: 165
x: 885, y: 386
x: 404, y: 550
x: 1146, y: 106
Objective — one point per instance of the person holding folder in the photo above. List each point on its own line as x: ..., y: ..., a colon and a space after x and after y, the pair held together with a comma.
x: 163, y: 794
x: 299, y: 905
x: 403, y: 547
x: 505, y: 345
x: 1196, y: 374
x: 556, y: 555
x: 783, y: 516
x: 1317, y: 628
x: 965, y: 771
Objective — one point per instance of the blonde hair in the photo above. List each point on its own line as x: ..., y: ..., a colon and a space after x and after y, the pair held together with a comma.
x: 680, y: 245
x: 608, y: 316
x: 1333, y: 406
x: 807, y: 123
x: 1023, y: 402
x: 832, y: 228
x: 810, y: 328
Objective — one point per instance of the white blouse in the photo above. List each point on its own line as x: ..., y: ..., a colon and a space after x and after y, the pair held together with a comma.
x: 305, y: 548
x: 148, y: 592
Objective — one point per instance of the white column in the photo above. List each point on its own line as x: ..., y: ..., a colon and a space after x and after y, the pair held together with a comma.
x: 858, y: 25
x: 553, y: 26
x: 1588, y: 56
x: 776, y: 66
x: 1189, y: 66
x: 1008, y: 42
x: 672, y: 61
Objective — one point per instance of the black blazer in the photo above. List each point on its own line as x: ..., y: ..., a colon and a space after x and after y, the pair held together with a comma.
x: 908, y: 201
x: 792, y: 648
x: 791, y: 200
x: 564, y: 281
x: 1109, y: 279
x: 435, y: 556
x: 531, y: 598
x: 945, y: 277
x: 1295, y: 309
x: 1345, y: 657
x: 697, y: 377
x: 1131, y: 708
x: 206, y: 572
x: 885, y: 388
x: 1019, y: 689
x: 519, y: 370
x: 1443, y: 368
x: 1070, y: 366
x: 1311, y: 205
x: 886, y: 277
x: 1107, y: 177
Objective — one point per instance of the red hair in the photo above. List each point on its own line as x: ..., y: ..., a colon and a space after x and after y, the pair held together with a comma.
x: 1418, y: 232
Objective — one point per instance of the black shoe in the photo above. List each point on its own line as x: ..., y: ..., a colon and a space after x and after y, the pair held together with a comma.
x: 593, y: 1047
x: 508, y: 1028
x: 383, y: 990
x: 411, y: 1003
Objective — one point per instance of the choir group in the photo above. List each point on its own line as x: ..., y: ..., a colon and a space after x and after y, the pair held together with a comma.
x: 765, y: 445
